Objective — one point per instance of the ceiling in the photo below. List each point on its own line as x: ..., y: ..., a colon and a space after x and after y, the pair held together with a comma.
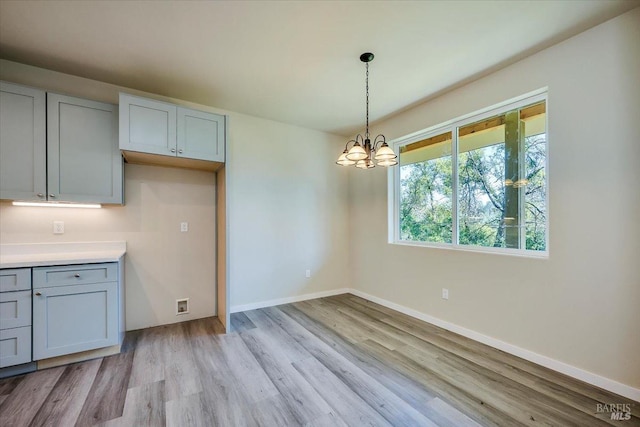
x: 291, y: 61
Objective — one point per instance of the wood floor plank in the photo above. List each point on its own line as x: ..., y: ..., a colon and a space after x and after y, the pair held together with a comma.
x: 566, y: 382
x: 344, y: 324
x: 274, y: 411
x: 240, y: 322
x: 222, y: 402
x: 186, y: 411
x: 351, y: 408
x: 144, y: 407
x: 64, y: 403
x: 289, y: 346
x: 409, y: 390
x: 108, y: 392
x: 329, y: 420
x: 476, y: 409
x: 243, y: 365
x: 335, y: 361
x: 387, y: 404
x: 148, y: 361
x: 7, y: 385
x: 29, y: 394
x: 537, y: 388
x: 181, y: 377
x: 303, y: 400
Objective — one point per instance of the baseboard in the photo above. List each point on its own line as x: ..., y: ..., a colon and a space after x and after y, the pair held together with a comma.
x: 287, y: 300
x: 547, y: 362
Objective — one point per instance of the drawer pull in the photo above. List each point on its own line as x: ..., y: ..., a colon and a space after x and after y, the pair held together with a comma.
x: 77, y: 275
x: 38, y: 294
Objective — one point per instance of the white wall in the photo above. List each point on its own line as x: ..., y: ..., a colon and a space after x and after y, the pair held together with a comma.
x: 582, y: 305
x: 288, y: 210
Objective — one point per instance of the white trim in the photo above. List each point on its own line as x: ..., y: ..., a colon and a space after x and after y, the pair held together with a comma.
x: 539, y: 359
x: 287, y: 300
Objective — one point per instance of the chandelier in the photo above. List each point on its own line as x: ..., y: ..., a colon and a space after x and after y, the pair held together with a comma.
x: 363, y: 152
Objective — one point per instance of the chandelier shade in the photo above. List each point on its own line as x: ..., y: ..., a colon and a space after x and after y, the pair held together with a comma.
x: 357, y: 152
x: 364, y: 153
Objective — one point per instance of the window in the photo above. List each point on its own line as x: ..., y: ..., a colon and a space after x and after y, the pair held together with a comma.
x: 478, y: 182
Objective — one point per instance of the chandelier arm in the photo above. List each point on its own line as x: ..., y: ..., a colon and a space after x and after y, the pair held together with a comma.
x: 379, y: 139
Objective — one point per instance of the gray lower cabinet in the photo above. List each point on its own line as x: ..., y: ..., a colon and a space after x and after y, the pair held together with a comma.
x: 15, y: 316
x: 58, y: 148
x: 75, y: 308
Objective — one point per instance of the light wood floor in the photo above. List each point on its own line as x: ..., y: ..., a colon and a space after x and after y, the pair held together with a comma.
x: 328, y: 362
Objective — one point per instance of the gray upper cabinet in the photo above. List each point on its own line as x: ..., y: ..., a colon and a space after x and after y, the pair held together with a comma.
x: 150, y: 128
x: 147, y: 126
x: 58, y: 148
x: 200, y: 135
x: 22, y: 143
x: 84, y: 162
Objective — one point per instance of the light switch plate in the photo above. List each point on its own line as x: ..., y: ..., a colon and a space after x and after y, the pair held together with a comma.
x: 184, y: 227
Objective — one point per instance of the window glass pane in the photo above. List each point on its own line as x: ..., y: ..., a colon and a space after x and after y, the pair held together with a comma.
x: 501, y: 179
x: 426, y: 190
x: 535, y: 197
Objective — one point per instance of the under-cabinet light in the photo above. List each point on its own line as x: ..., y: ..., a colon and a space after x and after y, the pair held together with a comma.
x: 59, y: 205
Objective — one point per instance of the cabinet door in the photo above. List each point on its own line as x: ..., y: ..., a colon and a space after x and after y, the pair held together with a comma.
x: 22, y: 143
x: 15, y: 346
x: 200, y: 135
x: 83, y: 158
x: 147, y: 126
x: 69, y: 319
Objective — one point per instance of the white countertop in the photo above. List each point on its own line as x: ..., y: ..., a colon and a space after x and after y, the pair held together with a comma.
x: 40, y: 254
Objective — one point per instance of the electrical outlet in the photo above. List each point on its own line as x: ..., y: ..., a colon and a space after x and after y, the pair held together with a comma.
x: 307, y: 273
x: 445, y: 293
x: 182, y: 306
x: 58, y: 227
x: 184, y: 227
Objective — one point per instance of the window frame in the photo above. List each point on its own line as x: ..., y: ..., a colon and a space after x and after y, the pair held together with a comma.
x: 393, y: 177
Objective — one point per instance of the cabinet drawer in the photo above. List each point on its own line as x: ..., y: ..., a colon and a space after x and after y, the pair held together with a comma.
x: 15, y: 279
x: 69, y: 319
x: 15, y: 309
x: 15, y: 346
x: 44, y: 277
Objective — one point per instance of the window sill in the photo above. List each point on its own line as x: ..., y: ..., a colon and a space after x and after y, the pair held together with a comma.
x: 476, y: 249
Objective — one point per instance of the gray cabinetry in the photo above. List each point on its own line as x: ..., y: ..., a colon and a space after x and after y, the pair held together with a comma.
x: 75, y: 308
x: 200, y: 135
x: 77, y: 159
x: 147, y: 126
x: 159, y: 128
x: 15, y: 317
x: 84, y: 162
x: 22, y: 143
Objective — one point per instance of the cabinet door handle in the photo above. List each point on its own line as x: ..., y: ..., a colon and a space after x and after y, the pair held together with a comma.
x: 53, y: 196
x: 173, y: 150
x: 38, y: 294
x: 180, y: 151
x: 40, y: 195
x: 77, y: 275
